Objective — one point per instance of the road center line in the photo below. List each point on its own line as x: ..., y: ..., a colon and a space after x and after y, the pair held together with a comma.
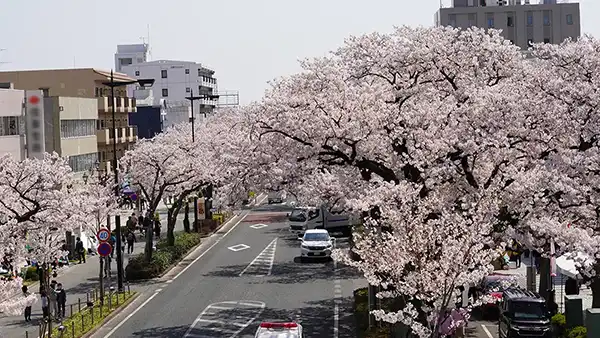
x: 485, y: 329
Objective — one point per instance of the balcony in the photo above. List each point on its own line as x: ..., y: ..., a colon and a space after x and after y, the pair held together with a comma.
x: 123, y: 105
x: 132, y: 134
x: 107, y: 136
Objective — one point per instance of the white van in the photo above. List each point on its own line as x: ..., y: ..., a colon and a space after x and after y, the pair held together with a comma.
x: 302, y: 219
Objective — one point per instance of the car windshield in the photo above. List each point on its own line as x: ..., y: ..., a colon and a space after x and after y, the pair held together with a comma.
x: 529, y: 310
x: 297, y: 215
x: 316, y: 237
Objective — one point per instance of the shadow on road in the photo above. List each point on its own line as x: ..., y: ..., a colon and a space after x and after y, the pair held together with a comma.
x: 168, y: 332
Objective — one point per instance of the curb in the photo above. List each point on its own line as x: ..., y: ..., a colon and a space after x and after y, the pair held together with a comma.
x: 111, y: 315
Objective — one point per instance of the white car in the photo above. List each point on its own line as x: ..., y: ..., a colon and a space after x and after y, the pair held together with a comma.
x: 279, y: 330
x: 316, y: 243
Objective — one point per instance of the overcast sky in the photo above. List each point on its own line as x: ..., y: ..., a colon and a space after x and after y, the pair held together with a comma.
x: 247, y: 42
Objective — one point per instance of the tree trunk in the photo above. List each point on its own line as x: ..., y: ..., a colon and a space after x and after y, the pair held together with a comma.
x: 545, y: 284
x: 149, y: 233
x: 101, y: 276
x: 186, y: 220
x: 172, y: 220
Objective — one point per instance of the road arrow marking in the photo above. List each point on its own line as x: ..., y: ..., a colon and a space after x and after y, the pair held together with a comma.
x: 238, y: 247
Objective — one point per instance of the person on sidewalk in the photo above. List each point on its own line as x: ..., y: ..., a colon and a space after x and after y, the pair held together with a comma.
x: 53, y: 299
x: 80, y: 250
x: 44, y: 298
x: 157, y: 228
x: 61, y: 298
x: 130, y: 241
x: 26, y: 294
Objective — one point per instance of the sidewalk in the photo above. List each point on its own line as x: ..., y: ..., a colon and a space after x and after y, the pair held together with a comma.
x: 77, y: 280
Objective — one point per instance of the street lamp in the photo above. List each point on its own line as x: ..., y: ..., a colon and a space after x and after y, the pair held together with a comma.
x: 113, y: 84
x: 208, y: 192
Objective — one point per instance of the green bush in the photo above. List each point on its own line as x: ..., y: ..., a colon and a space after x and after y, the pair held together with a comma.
x: 559, y: 323
x: 577, y: 332
x: 163, y: 258
x: 31, y: 274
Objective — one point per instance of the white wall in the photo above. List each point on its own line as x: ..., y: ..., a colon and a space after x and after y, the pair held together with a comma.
x: 176, y: 82
x: 14, y: 146
x: 11, y: 104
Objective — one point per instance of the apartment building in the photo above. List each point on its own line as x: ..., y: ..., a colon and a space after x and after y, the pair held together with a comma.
x: 84, y: 113
x: 173, y: 80
x: 12, y: 123
x: 523, y: 22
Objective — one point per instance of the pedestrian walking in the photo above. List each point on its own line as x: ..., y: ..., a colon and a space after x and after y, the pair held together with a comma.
x: 61, y: 299
x: 26, y: 294
x: 53, y: 299
x: 44, y: 298
x: 130, y: 240
x: 80, y: 250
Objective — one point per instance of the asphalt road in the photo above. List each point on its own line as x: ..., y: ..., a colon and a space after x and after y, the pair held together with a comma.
x: 482, y: 329
x: 251, y: 274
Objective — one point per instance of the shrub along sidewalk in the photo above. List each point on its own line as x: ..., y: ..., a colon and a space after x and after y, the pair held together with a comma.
x: 361, y: 315
x: 163, y: 258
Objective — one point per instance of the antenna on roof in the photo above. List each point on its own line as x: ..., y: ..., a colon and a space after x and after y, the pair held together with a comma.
x: 3, y: 62
x: 148, y: 37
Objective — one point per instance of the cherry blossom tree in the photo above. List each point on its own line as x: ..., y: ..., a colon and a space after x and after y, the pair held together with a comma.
x: 423, y: 130
x: 39, y: 204
x: 169, y: 164
x: 565, y: 84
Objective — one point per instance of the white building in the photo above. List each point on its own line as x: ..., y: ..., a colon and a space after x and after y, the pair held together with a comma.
x: 174, y: 80
x: 12, y: 123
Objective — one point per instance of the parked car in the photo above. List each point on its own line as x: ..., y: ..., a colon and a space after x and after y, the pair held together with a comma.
x: 316, y: 243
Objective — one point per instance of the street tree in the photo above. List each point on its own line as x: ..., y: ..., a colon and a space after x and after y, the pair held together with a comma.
x: 424, y: 131
x: 164, y: 166
x: 564, y: 83
x: 40, y: 203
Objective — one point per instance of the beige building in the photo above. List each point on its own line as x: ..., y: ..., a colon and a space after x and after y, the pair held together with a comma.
x: 80, y: 97
x: 522, y: 24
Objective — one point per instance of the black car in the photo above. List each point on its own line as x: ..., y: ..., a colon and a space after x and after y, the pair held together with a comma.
x: 523, y: 314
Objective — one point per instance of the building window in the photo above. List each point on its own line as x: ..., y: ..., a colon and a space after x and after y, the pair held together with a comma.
x: 77, y: 128
x: 83, y: 162
x: 137, y: 73
x: 199, y: 72
x: 529, y: 19
x: 546, y: 18
x: 546, y: 40
x: 510, y: 21
x: 45, y: 92
x: 126, y: 61
x: 490, y: 22
x: 452, y: 20
x: 165, y: 92
x: 163, y: 73
x: 472, y: 20
x: 188, y: 89
x: 11, y: 125
x: 187, y: 70
x: 569, y: 19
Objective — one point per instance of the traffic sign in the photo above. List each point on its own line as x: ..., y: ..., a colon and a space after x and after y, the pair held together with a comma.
x: 104, y: 249
x: 103, y: 235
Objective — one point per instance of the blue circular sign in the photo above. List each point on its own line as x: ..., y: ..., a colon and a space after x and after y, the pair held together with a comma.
x: 103, y: 235
x: 104, y: 249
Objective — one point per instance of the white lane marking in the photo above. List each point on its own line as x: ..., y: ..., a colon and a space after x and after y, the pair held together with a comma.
x: 258, y: 226
x: 261, y: 200
x: 251, y: 303
x: 219, y: 322
x: 176, y: 276
x: 132, y: 313
x: 485, y: 329
x: 238, y: 247
x: 264, y: 260
x: 337, y: 292
x: 209, y: 248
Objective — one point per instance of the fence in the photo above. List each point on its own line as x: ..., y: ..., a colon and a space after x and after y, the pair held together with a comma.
x: 81, y: 315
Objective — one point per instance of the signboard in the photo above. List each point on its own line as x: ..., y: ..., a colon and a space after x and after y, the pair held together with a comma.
x: 201, y: 211
x: 34, y: 123
x: 103, y: 235
x: 104, y: 249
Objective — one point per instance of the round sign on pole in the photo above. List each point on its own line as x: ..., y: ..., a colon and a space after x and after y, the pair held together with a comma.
x: 104, y: 249
x: 103, y: 235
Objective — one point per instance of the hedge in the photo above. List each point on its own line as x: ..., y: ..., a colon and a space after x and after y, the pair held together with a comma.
x: 164, y: 256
